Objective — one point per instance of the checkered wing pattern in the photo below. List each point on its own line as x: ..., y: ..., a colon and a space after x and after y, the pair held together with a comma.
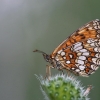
x: 80, y: 52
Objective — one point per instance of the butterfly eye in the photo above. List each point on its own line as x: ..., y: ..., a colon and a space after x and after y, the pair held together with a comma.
x: 46, y: 57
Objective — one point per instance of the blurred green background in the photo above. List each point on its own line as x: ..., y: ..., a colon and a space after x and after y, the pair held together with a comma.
x: 26, y: 25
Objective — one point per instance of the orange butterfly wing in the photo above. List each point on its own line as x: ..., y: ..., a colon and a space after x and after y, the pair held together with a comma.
x: 80, y: 52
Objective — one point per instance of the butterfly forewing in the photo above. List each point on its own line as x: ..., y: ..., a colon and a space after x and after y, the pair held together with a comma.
x: 80, y: 52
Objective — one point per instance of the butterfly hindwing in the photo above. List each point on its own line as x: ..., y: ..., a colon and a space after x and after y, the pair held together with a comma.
x: 80, y: 52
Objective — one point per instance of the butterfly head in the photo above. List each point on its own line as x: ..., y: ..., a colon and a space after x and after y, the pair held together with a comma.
x: 46, y: 56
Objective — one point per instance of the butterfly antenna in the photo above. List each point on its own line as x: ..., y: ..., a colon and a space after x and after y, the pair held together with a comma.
x: 39, y: 51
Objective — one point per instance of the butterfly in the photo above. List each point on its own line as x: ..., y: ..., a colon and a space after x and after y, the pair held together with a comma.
x: 80, y: 52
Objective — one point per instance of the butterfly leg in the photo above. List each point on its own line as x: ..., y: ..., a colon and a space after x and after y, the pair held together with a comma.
x: 62, y: 72
x: 87, y: 91
x: 61, y: 69
x: 48, y: 71
x: 68, y: 72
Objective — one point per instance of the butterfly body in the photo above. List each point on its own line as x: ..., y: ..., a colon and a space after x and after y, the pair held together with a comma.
x: 80, y: 52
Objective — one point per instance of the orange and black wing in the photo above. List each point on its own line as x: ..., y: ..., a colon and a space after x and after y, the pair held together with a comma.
x: 80, y: 52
